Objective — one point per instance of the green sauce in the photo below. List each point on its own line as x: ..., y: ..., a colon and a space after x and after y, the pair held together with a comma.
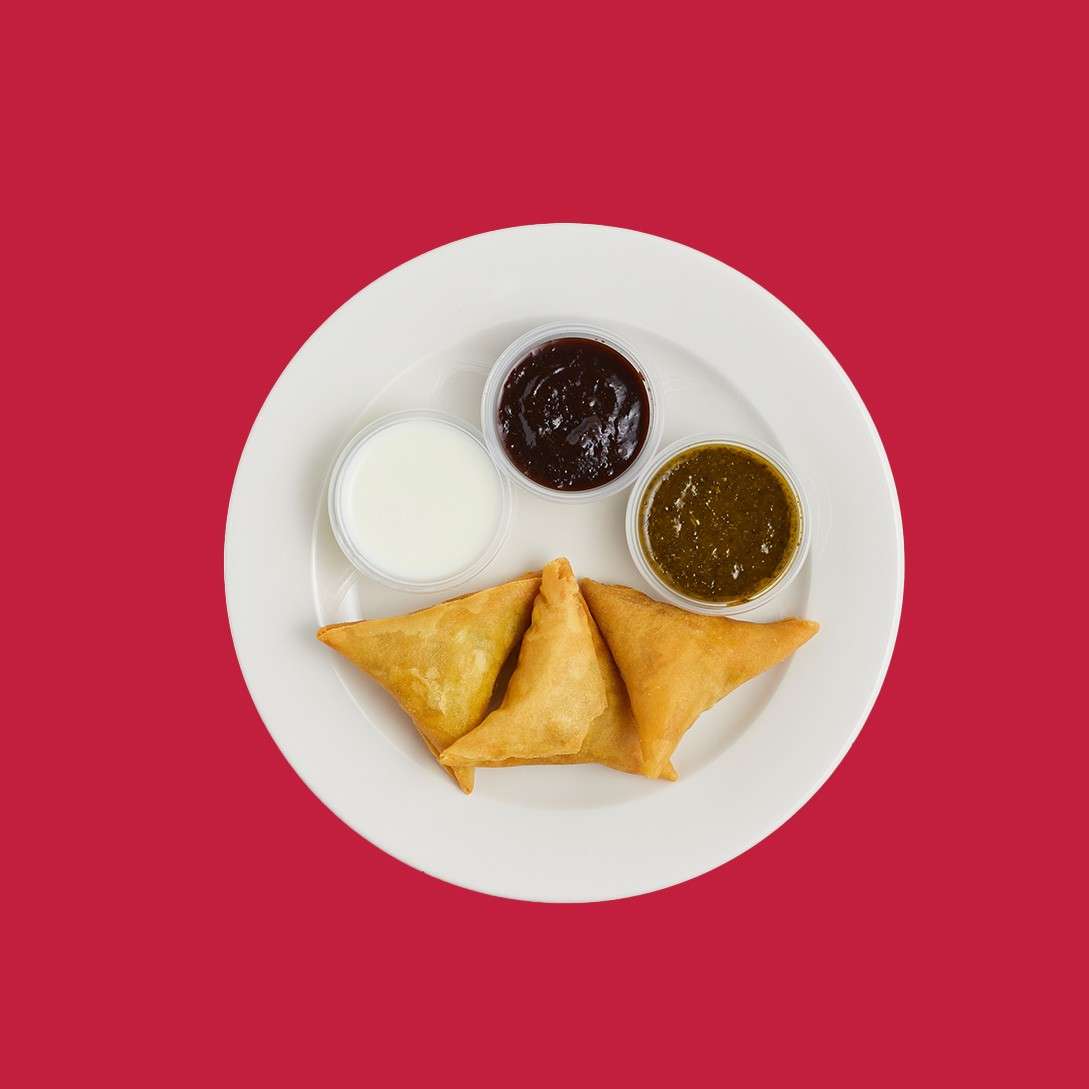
x: 719, y: 523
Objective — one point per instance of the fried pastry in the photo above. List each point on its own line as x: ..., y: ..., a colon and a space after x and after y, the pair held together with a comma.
x: 555, y: 692
x: 440, y: 664
x: 613, y: 737
x: 675, y: 664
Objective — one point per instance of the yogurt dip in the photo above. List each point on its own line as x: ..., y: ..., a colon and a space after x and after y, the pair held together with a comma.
x: 416, y: 501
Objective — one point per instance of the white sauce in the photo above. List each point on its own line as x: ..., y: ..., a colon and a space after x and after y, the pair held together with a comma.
x: 420, y: 500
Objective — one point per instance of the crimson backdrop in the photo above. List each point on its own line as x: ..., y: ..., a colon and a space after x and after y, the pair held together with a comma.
x: 195, y: 188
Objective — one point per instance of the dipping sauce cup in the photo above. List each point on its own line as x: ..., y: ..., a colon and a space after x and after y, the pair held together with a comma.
x: 560, y: 414
x: 417, y: 503
x: 690, y: 514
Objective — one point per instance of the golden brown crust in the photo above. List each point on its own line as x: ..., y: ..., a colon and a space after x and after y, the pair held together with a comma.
x: 675, y: 664
x: 464, y: 777
x: 613, y: 737
x: 440, y: 663
x: 556, y: 689
x: 606, y: 675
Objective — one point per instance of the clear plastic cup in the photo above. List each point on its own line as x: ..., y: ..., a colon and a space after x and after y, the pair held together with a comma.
x: 348, y: 546
x: 671, y: 593
x: 493, y: 389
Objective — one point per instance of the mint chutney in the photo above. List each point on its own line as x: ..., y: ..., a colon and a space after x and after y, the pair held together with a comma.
x: 719, y: 523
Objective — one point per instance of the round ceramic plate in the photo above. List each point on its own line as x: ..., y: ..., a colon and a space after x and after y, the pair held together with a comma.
x: 729, y: 358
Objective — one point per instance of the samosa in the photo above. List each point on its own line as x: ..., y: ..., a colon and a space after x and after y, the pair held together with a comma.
x: 440, y: 664
x: 555, y: 691
x: 613, y: 737
x: 675, y: 664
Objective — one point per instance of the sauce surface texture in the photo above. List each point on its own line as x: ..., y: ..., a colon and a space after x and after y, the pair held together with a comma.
x: 719, y: 523
x: 573, y: 414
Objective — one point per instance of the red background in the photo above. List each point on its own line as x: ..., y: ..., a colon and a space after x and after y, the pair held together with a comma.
x: 194, y: 188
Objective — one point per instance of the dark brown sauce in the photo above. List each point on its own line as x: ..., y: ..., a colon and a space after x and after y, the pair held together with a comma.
x: 719, y: 523
x: 573, y: 414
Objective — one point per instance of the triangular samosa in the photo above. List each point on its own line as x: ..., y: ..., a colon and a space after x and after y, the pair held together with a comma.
x: 613, y: 737
x: 440, y: 663
x: 676, y: 664
x: 555, y: 691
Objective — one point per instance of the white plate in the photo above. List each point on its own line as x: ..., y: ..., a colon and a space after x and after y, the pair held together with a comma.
x: 730, y: 358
